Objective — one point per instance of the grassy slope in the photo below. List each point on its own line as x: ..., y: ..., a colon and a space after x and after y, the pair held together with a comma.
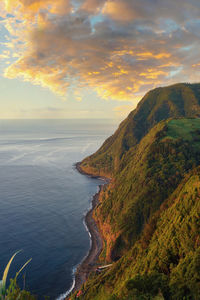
x: 13, y: 292
x: 180, y: 100
x: 166, y: 257
x: 169, y: 243
x: 154, y: 169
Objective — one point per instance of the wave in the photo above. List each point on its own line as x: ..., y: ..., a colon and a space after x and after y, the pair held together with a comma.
x: 32, y: 140
x: 55, y: 138
x: 64, y: 295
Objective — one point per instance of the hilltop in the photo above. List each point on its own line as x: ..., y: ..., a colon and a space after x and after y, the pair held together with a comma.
x: 179, y: 100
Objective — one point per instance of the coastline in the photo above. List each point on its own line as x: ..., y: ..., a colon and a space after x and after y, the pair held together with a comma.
x: 89, y: 262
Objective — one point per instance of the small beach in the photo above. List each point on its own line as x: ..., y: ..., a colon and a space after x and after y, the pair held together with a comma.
x: 89, y: 262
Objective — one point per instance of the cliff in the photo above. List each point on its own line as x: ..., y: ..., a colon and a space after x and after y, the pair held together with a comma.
x: 180, y: 100
x: 149, y: 214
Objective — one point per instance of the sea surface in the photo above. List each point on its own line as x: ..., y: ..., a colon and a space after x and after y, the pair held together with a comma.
x: 43, y: 199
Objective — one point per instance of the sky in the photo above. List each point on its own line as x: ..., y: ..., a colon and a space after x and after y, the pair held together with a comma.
x: 93, y: 58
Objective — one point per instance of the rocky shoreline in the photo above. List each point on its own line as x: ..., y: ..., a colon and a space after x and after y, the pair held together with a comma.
x: 89, y: 263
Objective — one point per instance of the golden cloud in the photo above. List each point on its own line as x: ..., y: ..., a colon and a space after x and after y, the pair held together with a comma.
x: 47, y: 78
x: 92, y: 6
x: 34, y: 6
x: 146, y: 55
x: 118, y: 48
x: 119, y: 10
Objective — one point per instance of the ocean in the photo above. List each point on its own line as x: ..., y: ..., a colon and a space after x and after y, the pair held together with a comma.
x: 43, y: 199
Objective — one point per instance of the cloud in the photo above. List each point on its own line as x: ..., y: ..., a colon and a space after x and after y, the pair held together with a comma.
x: 5, y: 54
x: 119, y: 10
x: 92, y: 6
x: 151, y: 11
x: 31, y: 7
x: 119, y: 48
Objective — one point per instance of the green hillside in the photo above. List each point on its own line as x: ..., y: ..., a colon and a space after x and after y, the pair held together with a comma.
x: 154, y: 169
x: 165, y: 262
x: 149, y: 214
x: 180, y: 100
x: 153, y: 211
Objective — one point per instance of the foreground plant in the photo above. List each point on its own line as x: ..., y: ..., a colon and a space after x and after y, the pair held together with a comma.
x: 13, y: 292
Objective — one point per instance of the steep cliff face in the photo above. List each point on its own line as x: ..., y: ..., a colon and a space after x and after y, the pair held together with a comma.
x: 149, y: 214
x: 154, y: 169
x: 165, y: 261
x: 180, y: 100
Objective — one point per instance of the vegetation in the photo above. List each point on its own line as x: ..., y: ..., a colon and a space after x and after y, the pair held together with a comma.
x: 180, y: 100
x: 154, y: 169
x: 165, y: 261
x: 149, y: 214
x: 13, y: 292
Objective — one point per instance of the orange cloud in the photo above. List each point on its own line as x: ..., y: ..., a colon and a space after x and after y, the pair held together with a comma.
x: 153, y: 74
x: 118, y: 48
x: 119, y: 10
x: 196, y: 65
x: 47, y: 78
x: 146, y: 55
x: 5, y: 54
x: 92, y: 6
x: 34, y: 6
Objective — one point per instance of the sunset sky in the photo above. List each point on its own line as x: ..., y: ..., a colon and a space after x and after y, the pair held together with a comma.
x: 93, y: 58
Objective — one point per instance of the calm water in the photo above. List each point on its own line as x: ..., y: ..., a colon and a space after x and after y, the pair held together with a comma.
x: 43, y: 198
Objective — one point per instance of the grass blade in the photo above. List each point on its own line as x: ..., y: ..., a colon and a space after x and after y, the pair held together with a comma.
x: 5, y: 274
x: 23, y: 266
